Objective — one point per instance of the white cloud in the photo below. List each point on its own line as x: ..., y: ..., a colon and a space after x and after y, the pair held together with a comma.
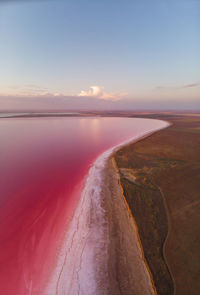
x: 46, y: 93
x: 98, y: 92
x: 40, y: 93
x: 95, y: 91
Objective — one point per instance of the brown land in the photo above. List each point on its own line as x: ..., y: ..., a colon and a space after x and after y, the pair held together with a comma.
x: 160, y: 176
x: 125, y: 269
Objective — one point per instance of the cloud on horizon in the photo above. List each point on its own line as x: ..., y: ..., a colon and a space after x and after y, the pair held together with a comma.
x: 98, y: 92
x: 28, y: 90
x: 191, y: 85
x: 52, y: 102
x: 32, y: 90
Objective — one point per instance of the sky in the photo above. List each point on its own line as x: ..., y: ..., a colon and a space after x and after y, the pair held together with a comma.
x: 92, y: 53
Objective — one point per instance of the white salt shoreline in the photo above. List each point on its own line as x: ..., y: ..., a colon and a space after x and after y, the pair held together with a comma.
x: 82, y: 266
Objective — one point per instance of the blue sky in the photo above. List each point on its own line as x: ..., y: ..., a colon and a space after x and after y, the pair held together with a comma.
x: 137, y: 49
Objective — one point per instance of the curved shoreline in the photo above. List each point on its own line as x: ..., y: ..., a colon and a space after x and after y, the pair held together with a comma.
x: 89, y: 238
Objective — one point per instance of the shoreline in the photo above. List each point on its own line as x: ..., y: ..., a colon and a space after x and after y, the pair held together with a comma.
x: 80, y: 238
x: 164, y: 201
x: 123, y: 186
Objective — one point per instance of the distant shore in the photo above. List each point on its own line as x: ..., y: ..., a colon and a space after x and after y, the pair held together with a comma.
x: 38, y: 114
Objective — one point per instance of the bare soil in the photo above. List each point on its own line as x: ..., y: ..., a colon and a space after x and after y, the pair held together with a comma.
x: 160, y: 176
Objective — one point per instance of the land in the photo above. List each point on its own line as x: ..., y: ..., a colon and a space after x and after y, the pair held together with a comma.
x: 160, y: 177
x: 126, y: 269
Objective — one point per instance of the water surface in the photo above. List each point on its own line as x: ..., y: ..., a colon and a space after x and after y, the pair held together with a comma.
x: 43, y: 165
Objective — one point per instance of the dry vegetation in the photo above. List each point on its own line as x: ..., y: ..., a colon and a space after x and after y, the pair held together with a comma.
x: 160, y: 176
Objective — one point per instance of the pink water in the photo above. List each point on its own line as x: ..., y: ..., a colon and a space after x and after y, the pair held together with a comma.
x: 43, y: 165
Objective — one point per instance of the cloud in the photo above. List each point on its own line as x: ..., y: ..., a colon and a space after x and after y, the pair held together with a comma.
x: 98, y: 92
x: 49, y: 94
x: 94, y: 91
x: 191, y: 85
x: 30, y: 90
x: 85, y: 103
